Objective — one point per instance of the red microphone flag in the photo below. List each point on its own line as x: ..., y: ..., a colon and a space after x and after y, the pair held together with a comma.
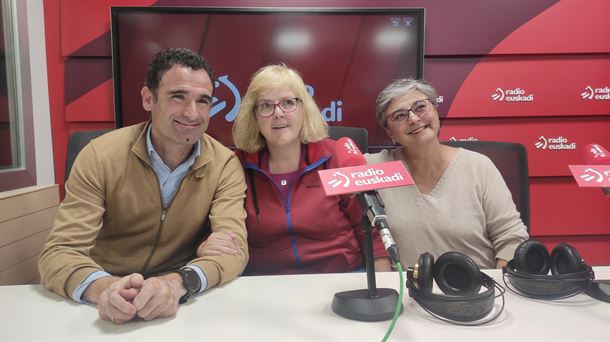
x: 596, y: 173
x: 355, y: 175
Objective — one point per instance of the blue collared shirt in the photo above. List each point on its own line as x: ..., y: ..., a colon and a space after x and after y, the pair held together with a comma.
x: 169, y: 181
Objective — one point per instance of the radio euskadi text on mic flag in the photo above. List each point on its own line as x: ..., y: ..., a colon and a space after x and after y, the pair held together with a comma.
x: 354, y: 175
x: 347, y: 180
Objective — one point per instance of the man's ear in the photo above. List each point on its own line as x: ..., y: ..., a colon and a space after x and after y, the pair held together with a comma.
x: 147, y: 98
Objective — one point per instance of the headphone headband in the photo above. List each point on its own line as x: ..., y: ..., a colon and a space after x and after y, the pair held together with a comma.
x: 457, y: 308
x: 466, y: 310
x: 539, y: 286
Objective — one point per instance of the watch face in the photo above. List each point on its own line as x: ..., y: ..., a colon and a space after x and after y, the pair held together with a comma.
x: 191, y: 280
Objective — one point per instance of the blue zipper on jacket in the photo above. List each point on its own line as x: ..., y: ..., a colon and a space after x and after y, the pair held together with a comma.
x: 286, y: 202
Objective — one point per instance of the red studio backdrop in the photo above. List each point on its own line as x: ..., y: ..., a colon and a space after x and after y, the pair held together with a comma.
x: 533, y: 72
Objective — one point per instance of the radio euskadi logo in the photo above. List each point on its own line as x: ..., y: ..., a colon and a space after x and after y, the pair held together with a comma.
x: 601, y: 94
x: 334, y: 111
x: 556, y: 143
x: 341, y: 179
x: 370, y: 176
x: 374, y: 176
x: 511, y: 95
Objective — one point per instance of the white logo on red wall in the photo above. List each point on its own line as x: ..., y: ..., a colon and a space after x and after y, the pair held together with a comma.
x: 511, y: 95
x: 555, y: 143
x: 601, y: 94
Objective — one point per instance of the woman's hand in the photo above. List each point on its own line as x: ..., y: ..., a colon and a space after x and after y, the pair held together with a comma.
x: 219, y: 243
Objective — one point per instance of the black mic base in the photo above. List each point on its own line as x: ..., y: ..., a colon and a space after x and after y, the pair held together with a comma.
x: 360, y: 306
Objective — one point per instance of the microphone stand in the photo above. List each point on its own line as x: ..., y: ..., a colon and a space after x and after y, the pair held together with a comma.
x: 371, y: 304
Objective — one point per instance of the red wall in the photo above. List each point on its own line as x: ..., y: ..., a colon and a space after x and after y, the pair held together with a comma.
x: 548, y: 51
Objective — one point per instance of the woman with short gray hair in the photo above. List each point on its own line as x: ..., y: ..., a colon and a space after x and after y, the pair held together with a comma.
x: 459, y: 202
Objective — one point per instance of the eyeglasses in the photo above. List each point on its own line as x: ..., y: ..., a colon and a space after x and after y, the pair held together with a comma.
x: 420, y: 108
x: 265, y: 109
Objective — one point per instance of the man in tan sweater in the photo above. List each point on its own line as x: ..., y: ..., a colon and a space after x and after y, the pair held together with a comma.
x: 140, y: 200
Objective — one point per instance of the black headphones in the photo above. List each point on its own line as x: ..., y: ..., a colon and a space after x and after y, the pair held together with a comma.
x: 460, y: 279
x: 528, y: 270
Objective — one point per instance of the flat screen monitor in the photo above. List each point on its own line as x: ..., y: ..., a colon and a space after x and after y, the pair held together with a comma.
x: 345, y: 56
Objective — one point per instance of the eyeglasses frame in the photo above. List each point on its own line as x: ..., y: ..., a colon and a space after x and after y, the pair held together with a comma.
x: 409, y: 111
x: 276, y: 104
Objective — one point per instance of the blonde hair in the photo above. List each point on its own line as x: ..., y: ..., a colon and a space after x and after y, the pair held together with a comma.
x: 246, y: 135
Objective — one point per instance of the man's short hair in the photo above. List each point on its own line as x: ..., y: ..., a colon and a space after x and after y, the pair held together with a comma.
x: 166, y: 59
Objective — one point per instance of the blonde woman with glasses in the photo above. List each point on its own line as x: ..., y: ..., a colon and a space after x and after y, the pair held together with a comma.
x: 293, y: 227
x: 460, y: 201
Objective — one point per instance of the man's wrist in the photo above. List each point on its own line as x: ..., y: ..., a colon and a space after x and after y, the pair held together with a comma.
x: 174, y: 280
x: 95, y: 289
x: 190, y: 282
x: 77, y: 294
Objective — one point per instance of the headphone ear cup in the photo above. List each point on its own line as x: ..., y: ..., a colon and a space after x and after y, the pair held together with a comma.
x: 532, y: 257
x: 457, y: 274
x: 424, y: 275
x: 565, y: 259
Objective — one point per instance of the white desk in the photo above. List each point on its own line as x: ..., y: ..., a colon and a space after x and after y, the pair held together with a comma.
x: 296, y: 308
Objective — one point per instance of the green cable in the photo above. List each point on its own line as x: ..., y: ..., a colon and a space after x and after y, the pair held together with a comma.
x: 398, y: 304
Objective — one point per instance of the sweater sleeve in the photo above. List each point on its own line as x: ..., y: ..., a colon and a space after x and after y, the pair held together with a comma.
x: 65, y: 262
x: 227, y: 213
x: 504, y: 226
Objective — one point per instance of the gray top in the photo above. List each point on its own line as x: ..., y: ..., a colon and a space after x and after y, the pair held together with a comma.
x: 470, y: 210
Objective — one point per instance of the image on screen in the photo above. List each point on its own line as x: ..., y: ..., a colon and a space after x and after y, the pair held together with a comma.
x: 345, y: 56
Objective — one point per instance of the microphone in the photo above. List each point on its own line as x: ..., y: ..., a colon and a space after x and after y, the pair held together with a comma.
x: 348, y: 155
x: 595, y: 154
x: 354, y: 176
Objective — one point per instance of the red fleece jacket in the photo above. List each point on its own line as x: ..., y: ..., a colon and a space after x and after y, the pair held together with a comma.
x: 307, y: 232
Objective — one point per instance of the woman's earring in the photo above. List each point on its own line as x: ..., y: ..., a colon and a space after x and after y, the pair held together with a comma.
x: 393, y: 141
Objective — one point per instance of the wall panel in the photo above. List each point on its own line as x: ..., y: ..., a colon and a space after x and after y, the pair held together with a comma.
x: 25, y: 222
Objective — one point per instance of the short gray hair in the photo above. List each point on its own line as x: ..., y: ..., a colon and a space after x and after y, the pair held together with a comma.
x: 398, y: 88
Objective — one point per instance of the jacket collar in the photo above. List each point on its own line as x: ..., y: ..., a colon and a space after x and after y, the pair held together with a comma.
x: 315, y: 152
x: 141, y: 150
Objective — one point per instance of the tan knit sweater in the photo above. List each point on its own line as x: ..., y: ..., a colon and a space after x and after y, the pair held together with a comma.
x: 470, y: 210
x: 112, y: 217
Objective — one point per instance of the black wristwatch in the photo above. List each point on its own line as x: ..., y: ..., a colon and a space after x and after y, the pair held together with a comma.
x: 191, y: 282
